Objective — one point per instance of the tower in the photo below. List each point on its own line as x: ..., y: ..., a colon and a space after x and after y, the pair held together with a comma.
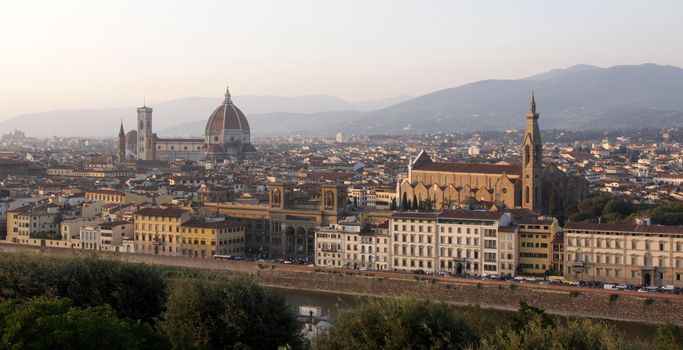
x: 122, y: 144
x: 532, y: 162
x: 146, y: 150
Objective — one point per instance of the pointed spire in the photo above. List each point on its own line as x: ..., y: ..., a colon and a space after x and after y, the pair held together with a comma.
x: 532, y: 107
x: 228, y: 99
x: 121, y: 132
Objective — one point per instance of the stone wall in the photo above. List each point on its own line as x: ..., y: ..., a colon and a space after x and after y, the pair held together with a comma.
x: 571, y: 301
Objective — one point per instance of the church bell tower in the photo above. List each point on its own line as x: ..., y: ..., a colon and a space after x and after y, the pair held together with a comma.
x: 121, y: 145
x: 532, y: 161
x: 146, y: 149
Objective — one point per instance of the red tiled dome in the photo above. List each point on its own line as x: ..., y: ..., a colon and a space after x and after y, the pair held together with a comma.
x: 226, y: 117
x: 132, y: 140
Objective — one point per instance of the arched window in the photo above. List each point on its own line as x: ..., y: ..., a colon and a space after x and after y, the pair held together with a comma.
x: 329, y: 199
x: 526, y: 197
x: 276, y: 196
x: 527, y: 154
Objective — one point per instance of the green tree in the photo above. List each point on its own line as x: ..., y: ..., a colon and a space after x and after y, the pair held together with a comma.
x: 525, y: 313
x: 536, y: 334
x: 393, y: 204
x: 669, y: 337
x: 400, y: 324
x: 53, y: 323
x: 133, y: 290
x: 234, y: 314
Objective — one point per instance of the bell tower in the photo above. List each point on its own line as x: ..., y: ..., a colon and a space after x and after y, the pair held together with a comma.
x: 146, y: 148
x: 532, y: 161
x: 121, y: 144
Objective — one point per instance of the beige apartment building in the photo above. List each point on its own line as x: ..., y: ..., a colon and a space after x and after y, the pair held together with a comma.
x: 157, y: 230
x: 353, y: 244
x: 454, y: 241
x: 639, y: 254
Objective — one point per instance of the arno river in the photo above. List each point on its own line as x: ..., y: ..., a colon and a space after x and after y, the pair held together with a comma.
x: 333, y: 303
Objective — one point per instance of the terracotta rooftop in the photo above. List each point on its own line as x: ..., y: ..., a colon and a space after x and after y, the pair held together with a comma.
x: 475, y: 168
x: 161, y: 212
x: 194, y: 223
x: 586, y: 226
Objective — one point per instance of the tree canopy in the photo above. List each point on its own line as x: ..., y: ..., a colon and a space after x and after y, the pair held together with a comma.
x: 54, y: 323
x: 400, y: 324
x: 234, y: 314
x: 133, y: 290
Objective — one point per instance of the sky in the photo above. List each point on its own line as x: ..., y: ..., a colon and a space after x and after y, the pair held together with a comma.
x: 102, y: 54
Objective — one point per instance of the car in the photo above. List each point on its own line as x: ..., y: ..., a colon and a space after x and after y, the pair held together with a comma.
x: 642, y: 290
x: 287, y: 262
x: 668, y: 288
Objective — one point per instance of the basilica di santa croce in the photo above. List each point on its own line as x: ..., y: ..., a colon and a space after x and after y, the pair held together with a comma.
x: 532, y: 185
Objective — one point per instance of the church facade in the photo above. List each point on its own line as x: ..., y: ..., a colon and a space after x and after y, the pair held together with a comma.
x: 226, y: 136
x: 529, y: 185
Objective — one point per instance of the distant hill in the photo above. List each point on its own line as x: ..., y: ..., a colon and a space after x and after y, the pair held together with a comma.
x: 579, y: 97
x: 270, y: 124
x: 175, y: 114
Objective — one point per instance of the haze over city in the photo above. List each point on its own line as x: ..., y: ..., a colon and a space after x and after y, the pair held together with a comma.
x: 89, y: 54
x: 341, y: 175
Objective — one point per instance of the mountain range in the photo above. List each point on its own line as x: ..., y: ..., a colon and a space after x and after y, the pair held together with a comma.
x: 579, y: 97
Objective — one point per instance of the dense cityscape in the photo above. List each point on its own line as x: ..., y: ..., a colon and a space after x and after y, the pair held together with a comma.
x: 345, y: 175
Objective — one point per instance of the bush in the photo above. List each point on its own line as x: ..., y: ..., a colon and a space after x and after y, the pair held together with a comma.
x: 403, y: 323
x: 669, y: 337
x: 613, y: 298
x: 234, y: 314
x: 134, y: 291
x: 53, y: 323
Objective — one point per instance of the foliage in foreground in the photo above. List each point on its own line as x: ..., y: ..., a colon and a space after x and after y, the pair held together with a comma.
x: 133, y: 291
x: 400, y: 324
x: 54, y: 323
x: 233, y: 314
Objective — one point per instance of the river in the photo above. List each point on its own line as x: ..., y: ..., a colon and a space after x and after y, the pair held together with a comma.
x: 334, y: 303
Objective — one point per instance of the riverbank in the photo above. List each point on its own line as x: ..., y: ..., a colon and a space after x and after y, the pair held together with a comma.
x: 643, y: 308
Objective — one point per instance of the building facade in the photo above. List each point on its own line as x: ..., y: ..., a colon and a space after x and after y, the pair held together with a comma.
x: 536, y: 236
x: 204, y: 239
x: 157, y: 230
x: 454, y: 241
x: 285, y: 225
x: 638, y: 254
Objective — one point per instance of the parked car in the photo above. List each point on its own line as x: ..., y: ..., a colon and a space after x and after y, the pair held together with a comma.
x: 610, y: 287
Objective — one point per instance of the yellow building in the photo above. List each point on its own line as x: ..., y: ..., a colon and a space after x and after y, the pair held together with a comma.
x: 157, y: 230
x: 535, y: 244
x: 204, y: 239
x: 24, y: 224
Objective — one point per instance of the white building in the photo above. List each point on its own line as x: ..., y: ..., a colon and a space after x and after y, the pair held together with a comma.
x: 454, y: 241
x: 354, y: 245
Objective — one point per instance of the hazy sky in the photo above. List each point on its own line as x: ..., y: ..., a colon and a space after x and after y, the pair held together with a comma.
x: 98, y: 54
